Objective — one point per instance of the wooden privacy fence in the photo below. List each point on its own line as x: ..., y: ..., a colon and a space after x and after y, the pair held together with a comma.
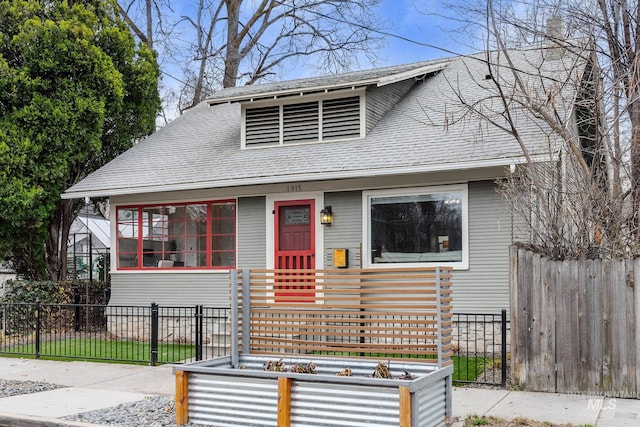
x: 400, y: 313
x: 574, y: 325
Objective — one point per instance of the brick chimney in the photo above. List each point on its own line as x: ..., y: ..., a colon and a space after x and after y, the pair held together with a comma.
x: 555, y: 37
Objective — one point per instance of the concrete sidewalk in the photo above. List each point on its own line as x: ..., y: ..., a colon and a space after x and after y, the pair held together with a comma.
x: 89, y: 386
x: 92, y: 385
x: 578, y: 410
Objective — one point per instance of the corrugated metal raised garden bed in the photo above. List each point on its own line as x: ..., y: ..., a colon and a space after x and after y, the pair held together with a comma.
x: 277, y: 374
x: 220, y: 395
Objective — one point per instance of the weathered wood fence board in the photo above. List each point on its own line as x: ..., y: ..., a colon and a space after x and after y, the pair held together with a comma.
x: 574, y: 325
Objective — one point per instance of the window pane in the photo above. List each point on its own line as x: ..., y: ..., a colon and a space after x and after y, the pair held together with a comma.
x: 417, y: 228
x: 223, y: 210
x: 196, y: 212
x: 223, y: 226
x: 223, y: 259
x: 196, y: 252
x: 196, y: 259
x: 127, y: 240
x: 155, y: 227
x: 223, y: 234
x: 227, y: 243
x: 128, y: 223
x: 175, y: 216
x: 177, y: 236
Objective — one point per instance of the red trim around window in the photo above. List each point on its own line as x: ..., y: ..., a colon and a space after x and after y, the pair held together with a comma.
x: 176, y: 236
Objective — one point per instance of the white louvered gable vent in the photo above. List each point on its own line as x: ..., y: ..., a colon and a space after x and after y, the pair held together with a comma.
x: 300, y: 122
x: 262, y: 126
x: 324, y: 119
x: 341, y: 118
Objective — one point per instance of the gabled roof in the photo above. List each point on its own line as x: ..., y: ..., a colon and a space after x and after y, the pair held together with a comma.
x: 427, y: 130
x: 98, y: 227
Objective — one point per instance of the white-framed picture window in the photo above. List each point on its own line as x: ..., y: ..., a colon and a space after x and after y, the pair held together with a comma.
x: 411, y: 227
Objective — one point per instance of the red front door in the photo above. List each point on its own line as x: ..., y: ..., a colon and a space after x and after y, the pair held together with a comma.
x: 294, y: 246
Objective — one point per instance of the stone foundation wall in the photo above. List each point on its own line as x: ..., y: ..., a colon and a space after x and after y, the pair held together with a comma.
x: 171, y: 329
x: 479, y: 338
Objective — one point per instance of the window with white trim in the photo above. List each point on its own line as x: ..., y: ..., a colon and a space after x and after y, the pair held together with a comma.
x: 417, y: 227
x: 179, y: 236
x: 290, y: 122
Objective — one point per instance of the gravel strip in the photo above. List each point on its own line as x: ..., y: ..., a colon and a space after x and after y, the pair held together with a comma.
x: 153, y: 411
x: 15, y: 388
x: 156, y: 411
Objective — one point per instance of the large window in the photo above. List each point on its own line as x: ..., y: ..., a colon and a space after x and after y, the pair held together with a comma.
x: 179, y: 236
x: 426, y: 226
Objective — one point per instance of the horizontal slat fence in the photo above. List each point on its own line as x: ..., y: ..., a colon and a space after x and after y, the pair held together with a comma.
x: 403, y: 313
x: 574, y: 325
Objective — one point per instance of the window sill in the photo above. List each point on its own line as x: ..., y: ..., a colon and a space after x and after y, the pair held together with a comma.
x: 173, y: 270
x: 460, y: 266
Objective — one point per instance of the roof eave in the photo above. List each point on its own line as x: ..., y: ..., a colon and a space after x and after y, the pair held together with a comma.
x: 412, y: 74
x: 379, y: 81
x: 303, y: 177
x: 294, y: 91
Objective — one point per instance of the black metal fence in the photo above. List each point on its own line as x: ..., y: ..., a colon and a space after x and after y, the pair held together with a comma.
x: 139, y: 334
x: 481, y: 348
x: 157, y: 334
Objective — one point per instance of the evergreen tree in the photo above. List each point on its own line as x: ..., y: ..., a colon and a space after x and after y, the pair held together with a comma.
x: 75, y: 91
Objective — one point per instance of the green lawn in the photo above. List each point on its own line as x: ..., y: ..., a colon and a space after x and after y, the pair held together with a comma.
x: 468, y: 368
x: 121, y: 351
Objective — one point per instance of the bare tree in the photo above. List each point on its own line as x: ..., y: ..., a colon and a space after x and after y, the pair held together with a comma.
x: 146, y: 11
x: 222, y: 43
x: 583, y: 91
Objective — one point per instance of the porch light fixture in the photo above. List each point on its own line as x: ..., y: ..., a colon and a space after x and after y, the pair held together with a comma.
x: 326, y: 217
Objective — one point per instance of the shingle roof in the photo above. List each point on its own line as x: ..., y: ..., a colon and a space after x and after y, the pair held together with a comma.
x: 334, y: 81
x: 426, y: 131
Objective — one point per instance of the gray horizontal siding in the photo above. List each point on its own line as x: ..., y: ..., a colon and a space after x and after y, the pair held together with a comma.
x: 346, y: 230
x: 381, y: 99
x: 484, y: 287
x: 252, y: 239
x: 207, y: 288
x: 172, y: 289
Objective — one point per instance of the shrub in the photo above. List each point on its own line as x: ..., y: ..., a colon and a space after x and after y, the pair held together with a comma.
x: 18, y: 301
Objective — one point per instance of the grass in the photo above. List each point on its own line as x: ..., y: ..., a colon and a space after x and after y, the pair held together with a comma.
x: 120, y: 351
x: 476, y: 420
x: 468, y: 368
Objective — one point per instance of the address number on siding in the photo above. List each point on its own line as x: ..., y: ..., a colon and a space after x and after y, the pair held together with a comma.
x: 292, y: 188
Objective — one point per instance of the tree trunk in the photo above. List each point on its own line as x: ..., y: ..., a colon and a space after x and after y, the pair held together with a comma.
x: 67, y: 220
x: 232, y: 55
x: 197, y: 89
x: 57, y: 238
x: 149, y: 42
x: 142, y: 36
x: 53, y: 245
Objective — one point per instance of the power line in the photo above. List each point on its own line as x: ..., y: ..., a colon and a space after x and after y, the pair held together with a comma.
x: 372, y: 30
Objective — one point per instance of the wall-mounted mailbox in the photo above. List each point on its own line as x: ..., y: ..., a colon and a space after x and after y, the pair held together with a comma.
x: 341, y: 258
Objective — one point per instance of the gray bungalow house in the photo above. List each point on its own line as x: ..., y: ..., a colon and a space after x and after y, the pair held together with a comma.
x: 366, y: 169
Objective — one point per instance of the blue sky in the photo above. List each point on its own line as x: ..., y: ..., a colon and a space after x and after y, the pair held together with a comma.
x: 410, y: 19
x: 416, y: 20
